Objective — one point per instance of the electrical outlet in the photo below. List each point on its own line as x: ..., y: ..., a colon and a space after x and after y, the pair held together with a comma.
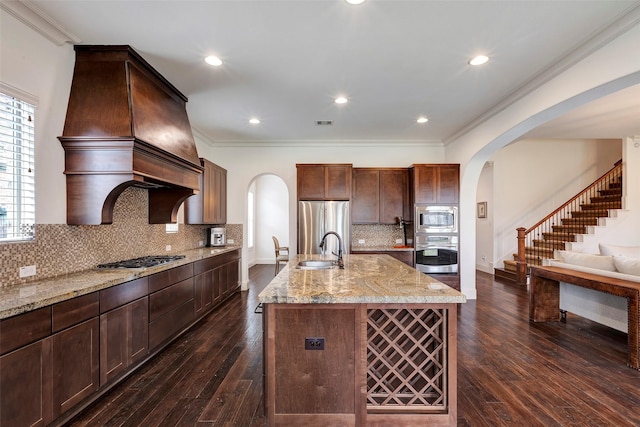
x: 484, y: 258
x: 171, y: 228
x: 398, y: 240
x: 314, y: 343
x: 361, y: 241
x: 168, y: 248
x: 200, y: 243
x: 230, y: 241
x: 27, y: 271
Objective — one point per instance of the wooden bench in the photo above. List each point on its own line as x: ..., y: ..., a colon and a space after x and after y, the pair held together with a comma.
x: 544, y: 299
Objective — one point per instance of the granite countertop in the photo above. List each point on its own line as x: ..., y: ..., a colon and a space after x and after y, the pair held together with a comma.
x: 16, y: 299
x: 355, y: 249
x: 365, y: 279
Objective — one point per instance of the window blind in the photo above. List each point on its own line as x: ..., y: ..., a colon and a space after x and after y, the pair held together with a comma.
x: 17, y: 180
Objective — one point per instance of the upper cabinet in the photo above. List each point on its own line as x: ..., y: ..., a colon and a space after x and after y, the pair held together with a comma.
x: 380, y: 196
x: 436, y: 184
x: 209, y: 206
x: 324, y: 182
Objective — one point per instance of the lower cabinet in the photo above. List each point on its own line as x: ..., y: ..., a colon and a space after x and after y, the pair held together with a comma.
x: 215, y: 280
x: 43, y: 380
x: 170, y: 312
x: 124, y: 338
x: 203, y: 293
x: 76, y: 365
x: 26, y: 386
x: 57, y: 358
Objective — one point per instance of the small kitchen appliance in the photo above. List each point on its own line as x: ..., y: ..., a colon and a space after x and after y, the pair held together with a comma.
x: 216, y: 236
x: 436, y: 219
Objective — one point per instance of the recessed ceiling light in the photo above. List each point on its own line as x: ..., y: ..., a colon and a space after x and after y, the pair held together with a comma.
x: 354, y: 1
x: 213, y: 60
x: 422, y: 120
x: 479, y: 60
x: 254, y: 121
x: 341, y: 100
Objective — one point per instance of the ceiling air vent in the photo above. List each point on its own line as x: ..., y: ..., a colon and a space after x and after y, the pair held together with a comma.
x: 324, y: 122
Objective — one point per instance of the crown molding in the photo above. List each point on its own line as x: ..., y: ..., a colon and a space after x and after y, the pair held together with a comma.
x: 203, y: 137
x: 35, y: 18
x: 625, y: 22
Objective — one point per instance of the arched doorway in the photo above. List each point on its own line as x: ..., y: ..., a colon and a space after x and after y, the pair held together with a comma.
x: 267, y: 215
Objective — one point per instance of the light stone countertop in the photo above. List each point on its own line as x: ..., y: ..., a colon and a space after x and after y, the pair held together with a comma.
x: 16, y: 299
x: 374, y: 279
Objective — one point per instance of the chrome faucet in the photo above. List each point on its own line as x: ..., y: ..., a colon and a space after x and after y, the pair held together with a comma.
x: 340, y: 247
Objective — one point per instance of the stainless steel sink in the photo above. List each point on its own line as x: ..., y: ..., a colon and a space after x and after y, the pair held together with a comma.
x: 311, y: 264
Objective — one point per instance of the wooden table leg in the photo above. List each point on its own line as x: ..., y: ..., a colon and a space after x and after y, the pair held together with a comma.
x: 633, y: 307
x: 544, y: 300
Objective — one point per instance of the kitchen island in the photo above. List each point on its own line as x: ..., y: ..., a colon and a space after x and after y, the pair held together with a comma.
x: 372, y: 344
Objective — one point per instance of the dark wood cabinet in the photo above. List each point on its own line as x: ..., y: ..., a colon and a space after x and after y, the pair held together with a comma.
x: 209, y: 206
x: 379, y: 196
x: 436, y: 184
x: 203, y: 293
x: 42, y: 380
x: 26, y: 386
x: 76, y: 365
x: 366, y: 196
x: 56, y: 359
x: 170, y: 312
x: 324, y: 181
x: 394, y: 195
x: 124, y: 338
x: 124, y: 327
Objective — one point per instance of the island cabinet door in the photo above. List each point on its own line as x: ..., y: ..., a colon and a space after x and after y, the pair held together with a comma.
x: 311, y: 365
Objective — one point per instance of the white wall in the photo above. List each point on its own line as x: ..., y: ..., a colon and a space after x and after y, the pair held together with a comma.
x: 532, y: 178
x: 272, y: 219
x: 589, y: 75
x: 484, y: 226
x: 622, y: 230
x: 35, y: 65
x: 246, y: 161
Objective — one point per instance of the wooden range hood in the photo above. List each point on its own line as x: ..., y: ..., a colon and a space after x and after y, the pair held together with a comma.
x: 126, y: 125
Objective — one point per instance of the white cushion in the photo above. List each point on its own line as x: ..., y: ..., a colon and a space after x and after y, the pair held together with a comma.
x: 599, y: 262
x: 628, y: 251
x: 627, y: 265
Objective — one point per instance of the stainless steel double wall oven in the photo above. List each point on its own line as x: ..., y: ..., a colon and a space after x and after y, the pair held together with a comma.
x: 436, y: 238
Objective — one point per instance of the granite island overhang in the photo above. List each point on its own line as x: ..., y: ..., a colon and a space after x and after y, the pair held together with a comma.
x: 372, y: 344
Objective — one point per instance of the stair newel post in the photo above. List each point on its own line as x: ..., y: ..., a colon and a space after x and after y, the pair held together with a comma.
x: 521, y: 272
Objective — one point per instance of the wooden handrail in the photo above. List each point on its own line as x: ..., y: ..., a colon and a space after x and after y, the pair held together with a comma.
x: 617, y: 165
x: 546, y: 226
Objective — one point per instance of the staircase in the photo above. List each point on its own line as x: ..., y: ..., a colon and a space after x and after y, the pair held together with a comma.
x: 564, y: 224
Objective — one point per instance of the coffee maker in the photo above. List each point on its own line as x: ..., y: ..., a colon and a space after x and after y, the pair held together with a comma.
x: 216, y: 236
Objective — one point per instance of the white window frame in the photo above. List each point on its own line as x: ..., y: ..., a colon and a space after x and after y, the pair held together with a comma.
x: 17, y: 164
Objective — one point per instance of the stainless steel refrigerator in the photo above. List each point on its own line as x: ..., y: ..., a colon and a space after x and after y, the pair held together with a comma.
x: 315, y: 218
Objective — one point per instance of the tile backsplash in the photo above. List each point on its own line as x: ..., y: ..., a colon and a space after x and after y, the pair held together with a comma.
x: 60, y: 249
x: 375, y: 235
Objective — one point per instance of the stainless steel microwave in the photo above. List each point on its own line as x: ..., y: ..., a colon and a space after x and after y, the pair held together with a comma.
x: 436, y: 219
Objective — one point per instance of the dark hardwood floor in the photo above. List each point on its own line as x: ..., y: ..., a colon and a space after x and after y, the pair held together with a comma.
x: 510, y: 372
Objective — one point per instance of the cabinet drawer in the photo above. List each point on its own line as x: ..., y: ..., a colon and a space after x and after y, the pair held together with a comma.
x: 203, y: 265
x: 170, y: 324
x: 24, y: 329
x: 169, y: 298
x: 169, y: 277
x: 71, y: 312
x: 227, y: 257
x: 122, y: 294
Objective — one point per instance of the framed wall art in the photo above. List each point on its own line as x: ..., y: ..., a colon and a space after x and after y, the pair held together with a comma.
x: 482, y: 209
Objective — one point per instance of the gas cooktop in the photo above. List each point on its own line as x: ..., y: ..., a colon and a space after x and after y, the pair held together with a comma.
x: 142, y: 262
